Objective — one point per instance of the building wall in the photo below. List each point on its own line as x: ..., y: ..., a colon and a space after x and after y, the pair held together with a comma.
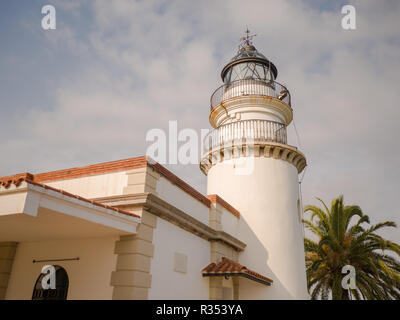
x: 230, y: 223
x: 103, y: 185
x: 89, y: 278
x: 167, y: 283
x: 266, y: 198
x: 183, y: 201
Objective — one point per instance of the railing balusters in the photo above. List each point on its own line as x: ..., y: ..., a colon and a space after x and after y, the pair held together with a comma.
x: 248, y: 129
x: 248, y: 87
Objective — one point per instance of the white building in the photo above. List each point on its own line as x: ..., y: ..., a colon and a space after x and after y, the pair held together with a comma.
x: 131, y: 229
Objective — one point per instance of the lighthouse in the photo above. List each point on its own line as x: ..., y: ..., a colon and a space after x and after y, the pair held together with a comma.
x: 249, y: 163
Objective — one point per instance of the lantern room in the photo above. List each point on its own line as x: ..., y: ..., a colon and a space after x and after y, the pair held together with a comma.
x: 248, y: 64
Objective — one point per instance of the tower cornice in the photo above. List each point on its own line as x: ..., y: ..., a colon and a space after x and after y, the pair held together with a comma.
x: 242, y: 148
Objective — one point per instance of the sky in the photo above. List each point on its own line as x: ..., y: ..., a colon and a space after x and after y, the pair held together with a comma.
x: 90, y: 90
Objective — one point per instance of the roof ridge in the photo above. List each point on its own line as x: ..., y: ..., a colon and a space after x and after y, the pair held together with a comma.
x: 231, y: 261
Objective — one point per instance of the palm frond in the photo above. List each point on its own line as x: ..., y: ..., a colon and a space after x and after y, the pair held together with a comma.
x: 347, y: 238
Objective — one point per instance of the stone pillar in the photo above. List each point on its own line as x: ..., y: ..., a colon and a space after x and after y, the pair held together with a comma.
x: 141, y: 180
x: 132, y: 278
x: 219, y: 250
x: 215, y: 217
x: 216, y: 288
x: 7, y: 254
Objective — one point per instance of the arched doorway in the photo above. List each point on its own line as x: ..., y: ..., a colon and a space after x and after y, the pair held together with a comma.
x: 59, y: 293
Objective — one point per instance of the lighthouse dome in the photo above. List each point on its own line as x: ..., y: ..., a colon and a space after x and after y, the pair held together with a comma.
x: 248, y: 63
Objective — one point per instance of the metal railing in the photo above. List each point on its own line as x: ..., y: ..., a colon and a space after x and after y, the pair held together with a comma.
x: 250, y: 87
x: 248, y: 130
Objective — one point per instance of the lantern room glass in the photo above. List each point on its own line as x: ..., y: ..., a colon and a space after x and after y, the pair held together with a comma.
x: 248, y: 70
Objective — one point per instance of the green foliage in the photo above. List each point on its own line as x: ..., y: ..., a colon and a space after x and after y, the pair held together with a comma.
x: 347, y: 238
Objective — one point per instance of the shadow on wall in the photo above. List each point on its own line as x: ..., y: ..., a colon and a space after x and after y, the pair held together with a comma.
x: 255, y: 255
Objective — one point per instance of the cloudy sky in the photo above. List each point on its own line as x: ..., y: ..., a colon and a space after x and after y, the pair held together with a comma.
x: 90, y: 90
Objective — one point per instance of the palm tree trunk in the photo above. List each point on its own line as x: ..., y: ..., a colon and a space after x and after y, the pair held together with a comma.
x: 345, y: 294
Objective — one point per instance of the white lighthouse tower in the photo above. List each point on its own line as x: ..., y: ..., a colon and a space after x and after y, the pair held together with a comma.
x: 250, y: 165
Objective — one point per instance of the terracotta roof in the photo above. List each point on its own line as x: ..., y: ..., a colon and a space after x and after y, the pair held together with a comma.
x: 122, y: 165
x: 8, y: 180
x: 115, y: 166
x: 214, y: 198
x: 17, y: 179
x: 227, y: 267
x: 94, y: 169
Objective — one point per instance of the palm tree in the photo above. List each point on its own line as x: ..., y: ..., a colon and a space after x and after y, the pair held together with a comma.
x: 343, y: 241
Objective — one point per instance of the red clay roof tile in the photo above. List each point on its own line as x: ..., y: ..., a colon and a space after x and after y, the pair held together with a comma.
x: 214, y: 198
x: 115, y: 166
x: 231, y: 268
x: 121, y: 165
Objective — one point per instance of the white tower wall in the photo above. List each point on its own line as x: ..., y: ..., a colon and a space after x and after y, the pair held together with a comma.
x: 267, y: 199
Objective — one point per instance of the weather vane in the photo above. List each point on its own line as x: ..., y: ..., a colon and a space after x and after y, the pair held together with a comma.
x: 246, y: 40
